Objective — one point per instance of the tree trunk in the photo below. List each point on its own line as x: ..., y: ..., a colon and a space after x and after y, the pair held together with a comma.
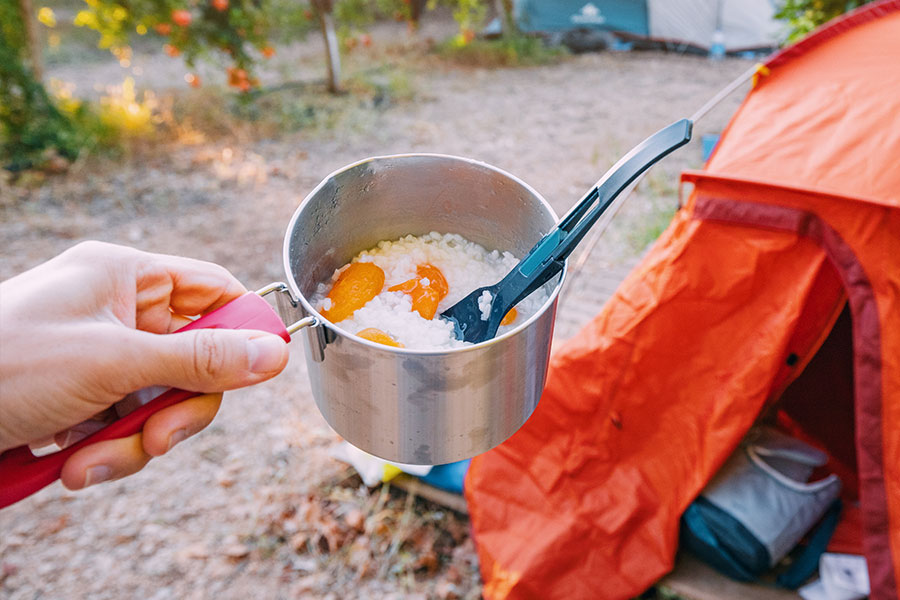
x: 324, y: 9
x: 32, y: 42
x: 509, y: 20
x: 416, y: 8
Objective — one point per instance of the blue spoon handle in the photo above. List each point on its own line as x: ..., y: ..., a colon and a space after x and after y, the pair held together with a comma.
x: 553, y: 249
x: 548, y: 256
x: 559, y: 243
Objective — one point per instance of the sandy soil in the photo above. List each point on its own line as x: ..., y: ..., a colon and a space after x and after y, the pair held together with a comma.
x: 254, y: 506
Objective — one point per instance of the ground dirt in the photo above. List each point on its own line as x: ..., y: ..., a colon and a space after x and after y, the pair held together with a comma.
x: 254, y: 506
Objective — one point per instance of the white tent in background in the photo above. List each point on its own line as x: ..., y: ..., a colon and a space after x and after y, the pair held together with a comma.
x: 742, y: 24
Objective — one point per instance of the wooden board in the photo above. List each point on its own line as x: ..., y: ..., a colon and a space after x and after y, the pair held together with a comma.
x: 415, y: 486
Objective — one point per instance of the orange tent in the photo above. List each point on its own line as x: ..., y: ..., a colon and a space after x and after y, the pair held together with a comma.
x: 775, y: 292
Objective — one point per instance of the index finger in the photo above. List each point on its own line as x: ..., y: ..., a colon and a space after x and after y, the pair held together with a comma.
x: 183, y: 286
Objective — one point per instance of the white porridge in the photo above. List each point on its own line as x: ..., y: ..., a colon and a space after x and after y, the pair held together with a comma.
x: 397, y: 298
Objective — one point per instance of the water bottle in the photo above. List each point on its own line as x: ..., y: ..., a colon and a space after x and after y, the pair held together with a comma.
x: 717, y: 49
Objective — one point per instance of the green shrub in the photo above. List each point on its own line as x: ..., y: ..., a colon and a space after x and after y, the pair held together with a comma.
x: 803, y: 16
x: 35, y: 127
x: 508, y: 51
x: 30, y: 123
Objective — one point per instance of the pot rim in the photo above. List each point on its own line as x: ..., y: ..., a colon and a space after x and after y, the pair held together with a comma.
x: 307, y: 306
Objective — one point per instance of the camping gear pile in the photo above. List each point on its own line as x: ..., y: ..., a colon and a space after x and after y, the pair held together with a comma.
x: 774, y: 294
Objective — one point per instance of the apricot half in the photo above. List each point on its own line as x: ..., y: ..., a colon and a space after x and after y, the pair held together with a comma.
x: 509, y: 317
x: 379, y: 337
x: 356, y: 285
x: 426, y: 290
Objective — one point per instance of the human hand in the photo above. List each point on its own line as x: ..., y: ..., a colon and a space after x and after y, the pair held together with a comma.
x: 81, y: 331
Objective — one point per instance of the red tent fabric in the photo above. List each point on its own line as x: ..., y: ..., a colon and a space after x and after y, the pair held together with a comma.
x: 795, y: 217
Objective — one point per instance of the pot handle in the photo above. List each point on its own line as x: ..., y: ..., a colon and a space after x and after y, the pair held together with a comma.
x: 22, y: 473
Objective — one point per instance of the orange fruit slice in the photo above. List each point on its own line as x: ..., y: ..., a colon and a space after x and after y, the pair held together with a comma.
x: 426, y: 290
x: 379, y: 337
x: 509, y: 317
x: 356, y: 285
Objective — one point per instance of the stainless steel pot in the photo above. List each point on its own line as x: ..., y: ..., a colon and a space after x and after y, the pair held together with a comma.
x: 417, y: 406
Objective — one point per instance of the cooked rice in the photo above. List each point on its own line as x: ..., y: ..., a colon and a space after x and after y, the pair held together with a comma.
x: 465, y: 265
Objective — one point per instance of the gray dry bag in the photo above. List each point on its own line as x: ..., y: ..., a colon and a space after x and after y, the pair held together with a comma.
x: 760, y: 505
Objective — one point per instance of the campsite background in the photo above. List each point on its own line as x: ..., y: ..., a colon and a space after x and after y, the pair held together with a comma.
x: 201, y: 142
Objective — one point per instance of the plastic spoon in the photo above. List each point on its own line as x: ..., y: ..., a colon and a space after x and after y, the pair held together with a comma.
x: 548, y: 256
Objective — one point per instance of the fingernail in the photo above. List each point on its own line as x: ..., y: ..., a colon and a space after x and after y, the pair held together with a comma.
x: 177, y: 437
x: 73, y: 436
x: 70, y: 439
x: 265, y: 353
x: 97, y: 474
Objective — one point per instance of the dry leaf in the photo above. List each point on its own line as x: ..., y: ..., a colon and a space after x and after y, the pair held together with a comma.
x: 427, y: 561
x: 194, y: 551
x: 453, y: 575
x: 236, y: 550
x: 446, y: 591
x: 53, y: 526
x: 355, y: 519
x: 298, y: 541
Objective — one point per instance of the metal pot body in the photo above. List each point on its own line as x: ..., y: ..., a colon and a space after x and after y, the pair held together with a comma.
x: 416, y: 406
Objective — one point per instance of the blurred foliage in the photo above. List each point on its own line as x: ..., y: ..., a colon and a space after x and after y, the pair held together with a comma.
x: 802, y: 16
x: 40, y: 125
x: 36, y: 128
x: 208, y: 113
x: 657, y: 194
x: 236, y: 29
x: 468, y: 14
x: 512, y: 50
x: 242, y: 31
x: 12, y: 30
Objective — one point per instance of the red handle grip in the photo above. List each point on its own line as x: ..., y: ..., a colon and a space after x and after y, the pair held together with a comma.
x: 22, y: 473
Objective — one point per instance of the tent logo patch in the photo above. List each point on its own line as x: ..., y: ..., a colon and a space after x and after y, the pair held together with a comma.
x: 588, y: 15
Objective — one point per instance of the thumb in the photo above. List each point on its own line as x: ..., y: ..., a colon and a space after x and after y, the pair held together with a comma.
x: 209, y: 360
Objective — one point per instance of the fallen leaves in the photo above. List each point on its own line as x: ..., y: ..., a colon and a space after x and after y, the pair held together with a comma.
x: 383, y: 534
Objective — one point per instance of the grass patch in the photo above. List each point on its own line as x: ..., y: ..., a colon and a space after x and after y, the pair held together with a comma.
x: 127, y: 122
x: 507, y: 51
x: 214, y: 112
x: 659, y: 194
x: 651, y: 228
